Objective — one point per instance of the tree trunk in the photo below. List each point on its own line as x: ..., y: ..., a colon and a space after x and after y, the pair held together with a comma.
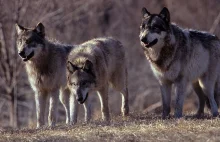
x: 13, y: 111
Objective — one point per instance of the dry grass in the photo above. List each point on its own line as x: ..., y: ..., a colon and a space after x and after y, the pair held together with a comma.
x: 142, y: 127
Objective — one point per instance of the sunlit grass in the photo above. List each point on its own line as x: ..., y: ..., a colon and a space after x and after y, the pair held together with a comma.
x: 141, y: 127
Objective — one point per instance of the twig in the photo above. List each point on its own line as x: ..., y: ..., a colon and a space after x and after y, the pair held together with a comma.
x: 215, y: 24
x: 51, y: 14
x: 152, y: 107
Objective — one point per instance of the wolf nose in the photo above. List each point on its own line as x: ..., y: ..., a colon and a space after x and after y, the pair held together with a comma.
x: 80, y: 99
x: 144, y: 40
x: 22, y: 54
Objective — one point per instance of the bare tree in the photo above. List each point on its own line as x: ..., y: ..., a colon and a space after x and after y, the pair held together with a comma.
x: 9, y: 63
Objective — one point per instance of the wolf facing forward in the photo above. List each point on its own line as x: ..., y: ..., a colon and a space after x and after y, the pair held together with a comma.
x: 93, y: 66
x: 46, y: 68
x: 180, y: 56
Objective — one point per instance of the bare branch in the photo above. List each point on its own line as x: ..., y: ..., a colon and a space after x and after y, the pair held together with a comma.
x: 152, y: 107
x: 215, y: 24
x: 51, y: 14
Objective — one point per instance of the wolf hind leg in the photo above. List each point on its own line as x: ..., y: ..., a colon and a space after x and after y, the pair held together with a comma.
x: 64, y: 98
x: 119, y: 81
x: 217, y: 91
x: 202, y: 99
x: 125, y: 102
x: 208, y: 89
x: 216, y: 95
x: 211, y: 103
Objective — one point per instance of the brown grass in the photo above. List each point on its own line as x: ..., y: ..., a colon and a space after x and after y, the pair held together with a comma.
x: 142, y: 127
x: 76, y: 21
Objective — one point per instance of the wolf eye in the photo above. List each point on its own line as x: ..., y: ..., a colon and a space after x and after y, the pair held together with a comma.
x: 142, y: 26
x: 33, y: 44
x: 84, y: 83
x: 20, y: 41
x: 72, y: 83
x: 28, y: 41
x: 156, y: 28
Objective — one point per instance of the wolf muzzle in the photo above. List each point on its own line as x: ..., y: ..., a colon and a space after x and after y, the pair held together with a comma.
x: 82, y: 101
x: 148, y: 45
x: 26, y: 58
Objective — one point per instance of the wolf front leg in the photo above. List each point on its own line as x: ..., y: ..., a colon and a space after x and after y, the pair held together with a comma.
x: 73, y: 109
x: 165, y: 88
x: 87, y: 109
x: 103, y: 97
x: 52, y: 118
x: 64, y: 98
x: 40, y: 100
x: 180, y: 87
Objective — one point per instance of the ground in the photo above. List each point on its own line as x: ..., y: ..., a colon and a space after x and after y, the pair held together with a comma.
x: 136, y: 127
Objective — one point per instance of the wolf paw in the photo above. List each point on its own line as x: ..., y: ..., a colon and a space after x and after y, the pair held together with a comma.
x: 167, y: 116
x: 71, y: 123
x: 199, y: 115
x: 178, y: 115
x: 125, y: 113
x: 215, y: 114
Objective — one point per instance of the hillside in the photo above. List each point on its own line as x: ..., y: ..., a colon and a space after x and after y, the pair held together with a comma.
x: 143, y: 127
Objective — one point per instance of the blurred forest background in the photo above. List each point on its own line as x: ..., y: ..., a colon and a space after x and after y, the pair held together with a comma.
x: 76, y: 21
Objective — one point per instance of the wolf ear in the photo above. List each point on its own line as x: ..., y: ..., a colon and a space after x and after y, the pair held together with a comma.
x: 88, y: 67
x: 145, y: 13
x: 71, y: 68
x: 165, y: 14
x: 39, y: 29
x: 19, y: 28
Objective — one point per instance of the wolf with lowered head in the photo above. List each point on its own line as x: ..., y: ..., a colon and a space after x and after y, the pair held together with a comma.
x: 93, y: 66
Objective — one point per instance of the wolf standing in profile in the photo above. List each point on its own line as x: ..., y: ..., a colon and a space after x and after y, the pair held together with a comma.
x: 180, y: 56
x: 46, y: 67
x: 94, y: 65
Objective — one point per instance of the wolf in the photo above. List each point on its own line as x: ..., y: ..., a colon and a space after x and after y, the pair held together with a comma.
x: 93, y: 66
x: 45, y: 63
x: 180, y: 56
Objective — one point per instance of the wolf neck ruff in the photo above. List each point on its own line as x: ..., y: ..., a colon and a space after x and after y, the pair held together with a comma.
x: 166, y: 52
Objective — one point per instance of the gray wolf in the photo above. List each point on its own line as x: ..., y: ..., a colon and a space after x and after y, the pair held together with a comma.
x: 180, y: 56
x: 93, y: 66
x: 46, y: 68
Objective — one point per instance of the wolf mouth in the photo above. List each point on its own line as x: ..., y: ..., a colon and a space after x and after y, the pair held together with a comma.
x: 29, y: 56
x: 81, y: 102
x: 148, y: 45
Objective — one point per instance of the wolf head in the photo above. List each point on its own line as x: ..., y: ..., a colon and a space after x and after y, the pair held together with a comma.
x: 154, y: 28
x: 30, y: 42
x: 81, y: 80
